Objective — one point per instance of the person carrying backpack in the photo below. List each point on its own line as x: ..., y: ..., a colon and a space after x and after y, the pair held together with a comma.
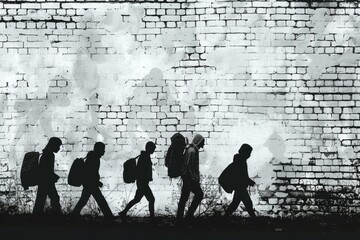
x: 191, y: 179
x: 47, y: 179
x: 143, y: 177
x: 241, y: 180
x: 91, y: 183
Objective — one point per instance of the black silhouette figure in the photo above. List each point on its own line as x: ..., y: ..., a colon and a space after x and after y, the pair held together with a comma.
x: 143, y: 177
x: 241, y: 181
x: 48, y: 178
x: 91, y: 182
x: 191, y: 179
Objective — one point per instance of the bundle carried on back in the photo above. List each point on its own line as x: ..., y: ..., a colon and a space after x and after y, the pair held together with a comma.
x: 75, y: 177
x: 30, y: 170
x: 226, y: 178
x: 175, y: 156
x: 129, y: 172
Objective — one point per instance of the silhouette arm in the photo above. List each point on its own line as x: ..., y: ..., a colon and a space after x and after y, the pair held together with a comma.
x: 93, y: 165
x: 47, y: 164
x: 249, y: 180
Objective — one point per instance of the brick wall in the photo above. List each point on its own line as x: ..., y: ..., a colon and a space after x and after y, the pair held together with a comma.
x: 279, y: 75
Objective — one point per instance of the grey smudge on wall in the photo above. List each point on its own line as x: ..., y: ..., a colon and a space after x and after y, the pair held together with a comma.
x: 85, y: 73
x: 41, y: 110
x: 322, y: 23
x: 144, y: 96
x: 87, y: 79
x: 126, y: 18
x: 3, y: 108
x: 276, y: 145
x: 319, y: 62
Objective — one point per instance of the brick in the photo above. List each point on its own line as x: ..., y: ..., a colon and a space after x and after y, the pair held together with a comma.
x: 170, y: 18
x: 209, y: 17
x: 13, y: 44
x: 31, y: 5
x: 50, y: 5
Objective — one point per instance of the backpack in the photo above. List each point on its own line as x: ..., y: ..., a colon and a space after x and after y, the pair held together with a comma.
x: 75, y: 176
x: 29, y: 170
x: 226, y: 179
x: 175, y: 157
x: 129, y: 172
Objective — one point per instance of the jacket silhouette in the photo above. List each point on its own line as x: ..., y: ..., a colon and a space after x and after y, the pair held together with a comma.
x: 191, y: 166
x: 91, y: 176
x: 240, y: 173
x: 144, y: 167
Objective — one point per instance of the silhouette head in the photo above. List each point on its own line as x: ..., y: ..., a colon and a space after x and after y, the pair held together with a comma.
x: 99, y: 148
x: 245, y: 151
x: 150, y: 147
x: 54, y: 144
x: 199, y: 141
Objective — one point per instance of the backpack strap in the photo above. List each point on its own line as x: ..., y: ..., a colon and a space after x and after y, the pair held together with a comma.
x: 136, y: 158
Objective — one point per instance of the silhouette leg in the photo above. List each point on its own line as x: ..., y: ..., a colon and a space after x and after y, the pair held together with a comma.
x: 234, y: 204
x: 40, y: 199
x: 185, y: 193
x: 151, y: 199
x: 247, y: 202
x: 55, y: 199
x: 101, y: 201
x: 138, y: 196
x: 85, y: 195
x: 198, y: 196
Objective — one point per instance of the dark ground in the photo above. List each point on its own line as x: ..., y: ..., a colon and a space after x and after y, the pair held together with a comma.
x: 50, y: 228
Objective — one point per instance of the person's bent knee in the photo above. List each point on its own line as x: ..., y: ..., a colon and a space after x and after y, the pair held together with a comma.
x: 136, y: 200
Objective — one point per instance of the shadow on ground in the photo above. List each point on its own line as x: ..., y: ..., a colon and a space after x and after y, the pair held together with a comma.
x: 88, y: 227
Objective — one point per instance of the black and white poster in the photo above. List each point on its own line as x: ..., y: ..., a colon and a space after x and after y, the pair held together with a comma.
x: 179, y: 118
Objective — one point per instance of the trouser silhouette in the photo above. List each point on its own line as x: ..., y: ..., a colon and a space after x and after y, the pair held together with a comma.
x: 241, y: 194
x: 143, y: 189
x: 189, y: 185
x: 99, y: 198
x: 43, y: 191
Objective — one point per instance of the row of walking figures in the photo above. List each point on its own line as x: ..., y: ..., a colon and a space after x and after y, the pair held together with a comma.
x: 182, y: 160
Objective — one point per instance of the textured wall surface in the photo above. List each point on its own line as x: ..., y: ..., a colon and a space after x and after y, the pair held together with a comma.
x: 279, y: 75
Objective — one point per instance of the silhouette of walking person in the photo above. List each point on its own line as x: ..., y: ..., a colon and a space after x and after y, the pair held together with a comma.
x: 191, y: 179
x: 143, y: 177
x: 241, y: 181
x: 48, y: 178
x: 91, y: 182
